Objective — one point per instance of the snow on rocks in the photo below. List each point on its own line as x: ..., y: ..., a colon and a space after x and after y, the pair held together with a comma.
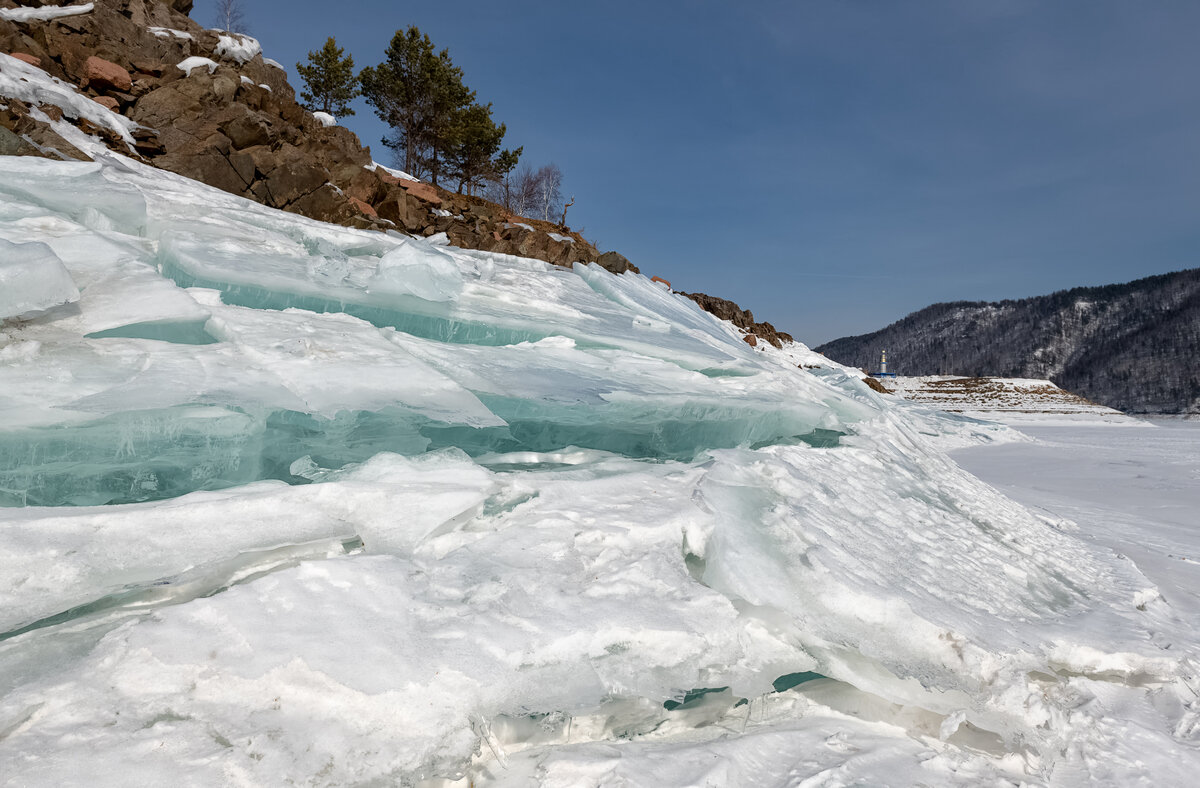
x: 170, y: 32
x: 237, y: 47
x: 325, y: 119
x: 187, y: 64
x: 401, y: 174
x: 32, y: 280
x: 44, y: 13
x: 30, y: 84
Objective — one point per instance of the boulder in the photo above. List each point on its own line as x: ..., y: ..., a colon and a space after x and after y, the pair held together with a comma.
x: 12, y: 145
x: 403, y: 211
x: 108, y: 102
x: 101, y: 74
x: 291, y: 180
x: 32, y: 60
x: 246, y: 131
x: 616, y: 262
x: 363, y: 207
x: 422, y: 191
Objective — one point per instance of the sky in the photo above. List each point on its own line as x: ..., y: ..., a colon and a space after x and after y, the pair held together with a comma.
x: 832, y: 165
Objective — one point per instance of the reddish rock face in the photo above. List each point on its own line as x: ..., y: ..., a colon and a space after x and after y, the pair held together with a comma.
x: 751, y: 340
x: 108, y: 102
x: 32, y: 60
x: 365, y: 207
x: 420, y: 190
x: 105, y: 75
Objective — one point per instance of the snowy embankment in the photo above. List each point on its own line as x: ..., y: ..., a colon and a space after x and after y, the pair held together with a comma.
x: 1009, y: 400
x: 291, y: 502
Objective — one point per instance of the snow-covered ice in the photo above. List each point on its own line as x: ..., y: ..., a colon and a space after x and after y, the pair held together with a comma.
x: 32, y: 280
x: 295, y: 503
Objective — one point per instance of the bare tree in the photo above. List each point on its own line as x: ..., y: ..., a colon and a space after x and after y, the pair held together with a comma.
x: 549, y: 191
x: 230, y: 17
x: 535, y: 194
x: 522, y: 192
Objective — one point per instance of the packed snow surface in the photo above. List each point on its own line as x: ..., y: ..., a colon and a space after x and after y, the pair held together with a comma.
x: 295, y: 503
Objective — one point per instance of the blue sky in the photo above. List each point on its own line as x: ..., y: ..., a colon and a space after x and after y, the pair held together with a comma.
x: 831, y: 164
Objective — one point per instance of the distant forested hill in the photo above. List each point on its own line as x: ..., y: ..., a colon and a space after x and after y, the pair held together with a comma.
x: 1134, y: 346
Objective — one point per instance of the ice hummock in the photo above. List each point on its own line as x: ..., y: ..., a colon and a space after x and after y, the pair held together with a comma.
x: 32, y: 280
x: 474, y: 518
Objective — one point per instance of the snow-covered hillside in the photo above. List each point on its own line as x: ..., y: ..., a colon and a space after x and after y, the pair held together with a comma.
x: 296, y: 503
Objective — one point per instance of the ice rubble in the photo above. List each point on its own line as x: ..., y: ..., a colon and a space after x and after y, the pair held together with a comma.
x: 32, y: 280
x: 341, y: 506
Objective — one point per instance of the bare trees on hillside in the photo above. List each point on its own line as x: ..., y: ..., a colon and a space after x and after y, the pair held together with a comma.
x: 536, y: 194
x: 230, y: 17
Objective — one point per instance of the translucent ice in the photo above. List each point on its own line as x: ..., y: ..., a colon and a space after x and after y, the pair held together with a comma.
x: 32, y: 280
x: 429, y: 274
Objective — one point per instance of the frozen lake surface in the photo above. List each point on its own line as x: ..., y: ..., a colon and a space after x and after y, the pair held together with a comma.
x: 1135, y: 489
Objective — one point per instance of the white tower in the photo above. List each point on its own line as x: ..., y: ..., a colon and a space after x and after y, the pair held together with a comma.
x: 883, y: 363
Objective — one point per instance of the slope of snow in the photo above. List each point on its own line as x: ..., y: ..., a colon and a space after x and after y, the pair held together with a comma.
x: 291, y: 502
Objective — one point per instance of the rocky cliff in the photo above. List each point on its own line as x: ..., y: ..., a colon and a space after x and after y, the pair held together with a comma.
x: 1134, y: 346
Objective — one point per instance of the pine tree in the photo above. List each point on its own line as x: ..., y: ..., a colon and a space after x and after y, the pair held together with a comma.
x: 505, y: 163
x: 329, y: 80
x: 418, y: 92
x: 472, y: 145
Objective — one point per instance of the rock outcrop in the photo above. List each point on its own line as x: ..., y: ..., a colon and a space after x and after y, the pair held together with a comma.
x: 742, y: 318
